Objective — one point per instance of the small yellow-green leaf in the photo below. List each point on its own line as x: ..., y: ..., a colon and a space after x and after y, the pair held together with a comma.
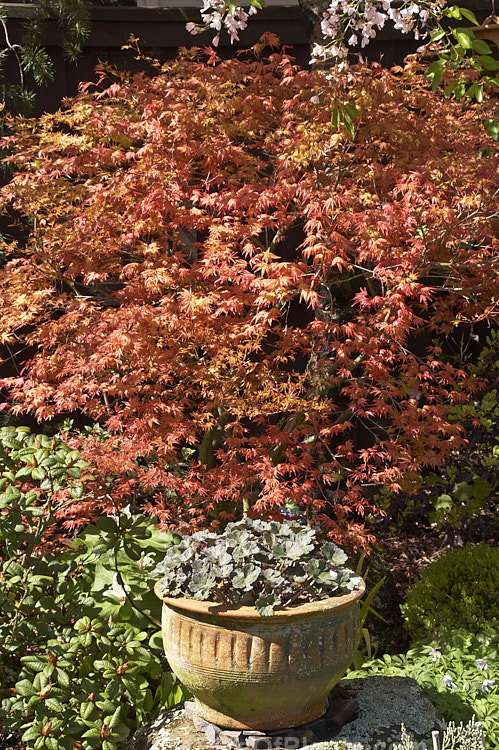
x: 464, y: 37
x: 469, y: 15
x: 453, y: 12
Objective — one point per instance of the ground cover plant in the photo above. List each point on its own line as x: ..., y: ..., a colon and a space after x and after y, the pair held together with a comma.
x: 231, y: 278
x: 459, y: 674
x: 451, y: 613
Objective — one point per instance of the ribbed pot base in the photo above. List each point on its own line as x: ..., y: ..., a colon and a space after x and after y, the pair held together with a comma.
x: 341, y: 708
x: 227, y: 722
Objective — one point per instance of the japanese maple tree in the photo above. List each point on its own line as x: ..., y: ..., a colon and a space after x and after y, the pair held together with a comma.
x: 340, y: 29
x: 250, y: 300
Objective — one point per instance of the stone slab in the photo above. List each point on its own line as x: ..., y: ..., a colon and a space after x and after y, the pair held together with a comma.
x: 384, y: 703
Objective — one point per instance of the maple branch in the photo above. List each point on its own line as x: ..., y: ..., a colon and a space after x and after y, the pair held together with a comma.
x: 12, y: 358
x: 369, y: 279
x: 295, y: 421
x: 213, y: 437
x: 282, y: 232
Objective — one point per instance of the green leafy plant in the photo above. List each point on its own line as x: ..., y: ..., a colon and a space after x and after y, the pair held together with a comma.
x: 367, y: 648
x: 256, y: 563
x: 461, y: 588
x: 462, y: 501
x: 459, y: 50
x: 459, y: 674
x: 95, y: 682
x: 463, y: 736
x: 67, y: 678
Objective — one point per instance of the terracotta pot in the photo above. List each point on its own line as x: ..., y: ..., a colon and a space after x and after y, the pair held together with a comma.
x: 246, y: 671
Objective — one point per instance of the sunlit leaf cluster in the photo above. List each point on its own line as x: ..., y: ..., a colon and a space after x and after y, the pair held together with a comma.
x: 210, y: 259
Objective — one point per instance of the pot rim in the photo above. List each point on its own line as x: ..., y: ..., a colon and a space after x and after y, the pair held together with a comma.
x: 250, y: 613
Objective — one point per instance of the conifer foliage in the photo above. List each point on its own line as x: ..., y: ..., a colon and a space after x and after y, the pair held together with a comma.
x: 250, y: 293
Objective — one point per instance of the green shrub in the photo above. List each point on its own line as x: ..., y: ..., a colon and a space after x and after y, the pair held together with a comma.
x: 458, y: 673
x: 458, y: 590
x: 81, y: 658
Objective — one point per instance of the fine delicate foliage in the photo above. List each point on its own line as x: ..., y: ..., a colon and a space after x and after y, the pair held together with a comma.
x: 210, y: 263
x: 459, y: 588
x: 406, y: 741
x: 461, y: 737
x: 256, y: 563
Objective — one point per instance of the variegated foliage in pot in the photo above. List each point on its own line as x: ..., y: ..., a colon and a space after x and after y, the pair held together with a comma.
x: 259, y: 622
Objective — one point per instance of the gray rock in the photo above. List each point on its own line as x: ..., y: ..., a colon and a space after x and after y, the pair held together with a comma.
x: 232, y: 738
x: 254, y: 742
x: 190, y: 710
x: 384, y: 703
